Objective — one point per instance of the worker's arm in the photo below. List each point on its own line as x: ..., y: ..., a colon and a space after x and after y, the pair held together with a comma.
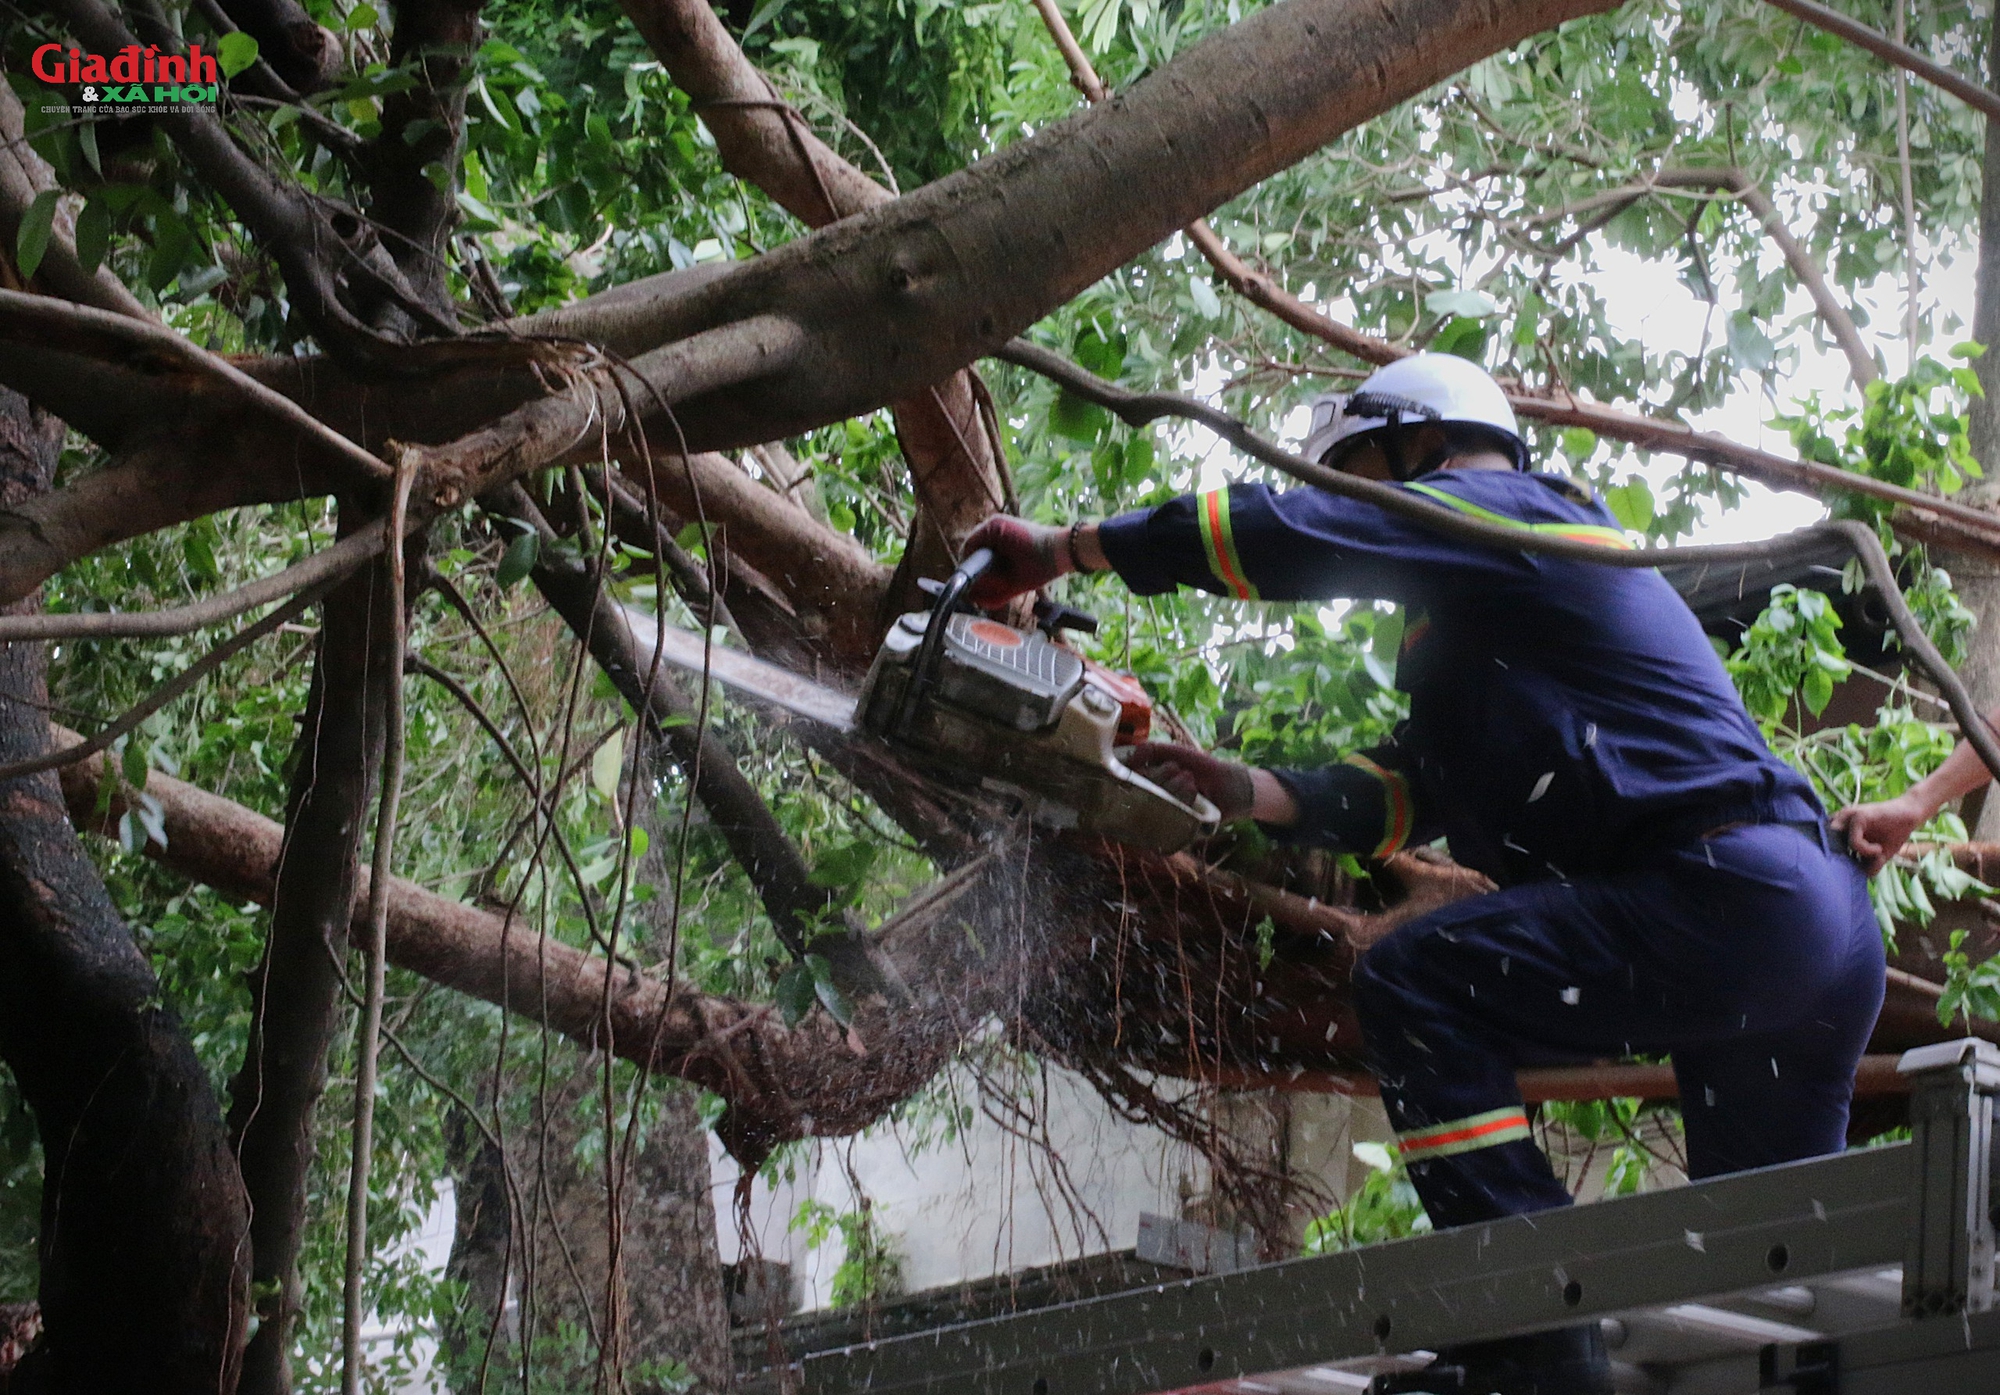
x: 1363, y: 805
x: 1877, y: 832
x: 1244, y: 541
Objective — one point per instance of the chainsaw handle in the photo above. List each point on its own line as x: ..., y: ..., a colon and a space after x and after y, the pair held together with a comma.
x: 949, y: 599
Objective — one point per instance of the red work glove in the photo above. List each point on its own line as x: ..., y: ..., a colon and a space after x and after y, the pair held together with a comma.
x: 1026, y: 557
x: 1185, y: 772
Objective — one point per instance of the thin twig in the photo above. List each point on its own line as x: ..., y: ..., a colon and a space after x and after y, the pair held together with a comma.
x: 374, y: 949
x: 317, y: 571
x: 171, y: 689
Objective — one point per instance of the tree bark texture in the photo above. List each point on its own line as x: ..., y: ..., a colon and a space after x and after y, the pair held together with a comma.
x: 143, y: 1261
x: 296, y: 989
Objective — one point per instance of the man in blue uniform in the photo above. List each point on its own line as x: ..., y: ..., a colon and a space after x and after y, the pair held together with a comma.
x: 1666, y: 883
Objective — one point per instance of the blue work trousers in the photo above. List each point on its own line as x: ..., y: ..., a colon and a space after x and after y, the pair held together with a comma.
x: 1750, y: 954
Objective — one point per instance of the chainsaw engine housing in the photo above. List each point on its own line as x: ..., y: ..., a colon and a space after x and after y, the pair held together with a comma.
x: 1027, y: 717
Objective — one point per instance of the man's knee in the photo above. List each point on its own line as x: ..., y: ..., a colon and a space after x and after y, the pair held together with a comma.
x: 1383, y: 982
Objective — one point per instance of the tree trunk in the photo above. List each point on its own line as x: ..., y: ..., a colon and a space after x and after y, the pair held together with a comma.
x: 297, y: 987
x: 143, y: 1219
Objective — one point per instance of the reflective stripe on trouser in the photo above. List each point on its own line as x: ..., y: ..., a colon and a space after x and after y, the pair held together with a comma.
x: 1494, y: 1127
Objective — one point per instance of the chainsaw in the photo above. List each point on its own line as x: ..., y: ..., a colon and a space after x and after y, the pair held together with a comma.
x: 969, y: 700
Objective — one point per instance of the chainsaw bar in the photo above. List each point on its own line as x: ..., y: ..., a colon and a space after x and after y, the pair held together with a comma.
x: 745, y: 674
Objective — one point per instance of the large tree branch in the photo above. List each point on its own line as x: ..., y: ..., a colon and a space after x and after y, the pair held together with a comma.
x: 887, y: 301
x: 1103, y: 926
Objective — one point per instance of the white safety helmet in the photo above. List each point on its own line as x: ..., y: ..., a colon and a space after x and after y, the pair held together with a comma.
x: 1422, y: 388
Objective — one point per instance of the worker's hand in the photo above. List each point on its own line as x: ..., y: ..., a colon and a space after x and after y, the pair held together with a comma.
x: 1877, y: 832
x: 1026, y: 557
x: 1184, y: 772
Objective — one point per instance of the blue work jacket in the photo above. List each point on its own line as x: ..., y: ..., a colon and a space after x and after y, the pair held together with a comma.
x: 1565, y: 716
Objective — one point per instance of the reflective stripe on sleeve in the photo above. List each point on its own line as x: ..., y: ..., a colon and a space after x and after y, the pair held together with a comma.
x: 1593, y: 533
x: 1396, y: 805
x: 1464, y: 1135
x: 1218, y: 538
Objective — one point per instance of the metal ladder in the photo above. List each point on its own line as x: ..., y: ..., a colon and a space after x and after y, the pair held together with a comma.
x: 1869, y: 1273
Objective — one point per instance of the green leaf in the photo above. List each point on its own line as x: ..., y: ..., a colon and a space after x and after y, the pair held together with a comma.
x: 1075, y: 419
x: 847, y: 865
x: 794, y: 993
x: 765, y: 12
x: 1205, y: 299
x: 86, y: 141
x: 607, y: 765
x: 362, y: 16
x: 1631, y: 503
x: 235, y: 52
x: 134, y: 764
x: 518, y: 560
x: 33, y: 239
x: 93, y: 235
x: 834, y: 1001
x: 1470, y: 305
x: 197, y: 283
x: 1579, y: 443
x: 1463, y: 336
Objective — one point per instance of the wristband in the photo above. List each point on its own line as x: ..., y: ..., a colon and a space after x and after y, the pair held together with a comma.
x: 1069, y: 542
